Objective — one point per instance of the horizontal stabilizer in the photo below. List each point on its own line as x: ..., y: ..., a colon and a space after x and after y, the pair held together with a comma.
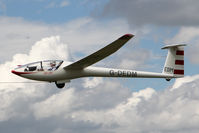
x: 173, y: 45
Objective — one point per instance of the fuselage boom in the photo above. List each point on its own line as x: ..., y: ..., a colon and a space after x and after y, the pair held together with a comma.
x: 62, y: 74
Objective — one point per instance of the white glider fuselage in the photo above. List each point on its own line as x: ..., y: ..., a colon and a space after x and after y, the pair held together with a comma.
x: 62, y: 75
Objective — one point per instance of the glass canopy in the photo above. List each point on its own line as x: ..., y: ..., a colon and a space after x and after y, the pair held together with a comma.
x: 47, y: 65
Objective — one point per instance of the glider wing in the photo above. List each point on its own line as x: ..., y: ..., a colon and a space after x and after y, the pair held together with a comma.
x: 100, y: 54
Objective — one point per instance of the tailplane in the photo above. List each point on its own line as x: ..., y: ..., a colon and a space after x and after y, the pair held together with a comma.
x: 175, y: 60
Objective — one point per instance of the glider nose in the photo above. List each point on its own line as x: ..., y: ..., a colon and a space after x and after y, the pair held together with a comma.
x: 15, y: 72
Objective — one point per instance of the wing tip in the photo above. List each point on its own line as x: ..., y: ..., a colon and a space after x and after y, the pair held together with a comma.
x: 127, y: 36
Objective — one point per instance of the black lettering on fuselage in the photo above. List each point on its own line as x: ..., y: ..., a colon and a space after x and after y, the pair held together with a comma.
x: 169, y: 69
x: 119, y: 73
x: 111, y: 72
x: 122, y: 73
x: 128, y: 73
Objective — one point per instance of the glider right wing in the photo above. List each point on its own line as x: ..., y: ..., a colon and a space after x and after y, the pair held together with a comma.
x: 100, y: 54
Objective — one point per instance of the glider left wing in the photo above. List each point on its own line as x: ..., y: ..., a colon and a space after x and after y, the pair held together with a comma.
x: 100, y: 54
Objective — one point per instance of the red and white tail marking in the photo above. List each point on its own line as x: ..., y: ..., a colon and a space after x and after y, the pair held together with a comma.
x: 179, y: 63
x: 175, y: 60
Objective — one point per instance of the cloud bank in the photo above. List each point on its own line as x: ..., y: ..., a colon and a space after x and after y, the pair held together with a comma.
x: 155, y: 12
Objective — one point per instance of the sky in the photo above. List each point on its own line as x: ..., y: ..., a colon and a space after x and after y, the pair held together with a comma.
x: 33, y: 30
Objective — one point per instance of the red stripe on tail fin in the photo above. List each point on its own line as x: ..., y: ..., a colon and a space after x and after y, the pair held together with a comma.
x: 181, y: 72
x: 179, y: 62
x: 179, y: 52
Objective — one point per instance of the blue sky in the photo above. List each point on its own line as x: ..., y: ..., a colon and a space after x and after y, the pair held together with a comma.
x: 48, y: 11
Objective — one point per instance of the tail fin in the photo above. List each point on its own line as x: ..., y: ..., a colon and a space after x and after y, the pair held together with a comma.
x: 175, y: 60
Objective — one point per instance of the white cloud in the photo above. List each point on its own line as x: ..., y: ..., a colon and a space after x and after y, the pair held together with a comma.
x: 179, y: 82
x: 151, y: 111
x: 49, y: 48
x: 189, y: 36
x: 155, y: 12
x: 14, y: 95
x: 92, y: 82
x: 57, y: 104
x: 116, y: 114
x: 185, y: 35
x: 133, y: 58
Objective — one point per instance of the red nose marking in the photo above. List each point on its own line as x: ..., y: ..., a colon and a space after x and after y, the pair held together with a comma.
x: 15, y: 72
x: 19, y: 73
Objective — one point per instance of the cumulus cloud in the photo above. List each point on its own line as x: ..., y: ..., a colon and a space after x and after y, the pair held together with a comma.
x: 155, y: 12
x: 16, y: 97
x: 49, y: 48
x: 133, y: 58
x: 151, y: 111
x: 57, y: 104
x: 179, y: 82
x: 92, y: 82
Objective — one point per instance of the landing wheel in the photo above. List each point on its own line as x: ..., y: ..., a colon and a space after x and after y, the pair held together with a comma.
x: 60, y: 86
x: 168, y: 79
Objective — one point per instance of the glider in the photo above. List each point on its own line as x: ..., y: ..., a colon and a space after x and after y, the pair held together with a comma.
x: 55, y: 71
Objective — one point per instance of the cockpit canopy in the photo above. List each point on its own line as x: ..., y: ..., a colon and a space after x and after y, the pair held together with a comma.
x: 47, y: 65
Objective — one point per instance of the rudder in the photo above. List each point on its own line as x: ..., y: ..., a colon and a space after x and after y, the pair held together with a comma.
x: 174, y: 63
